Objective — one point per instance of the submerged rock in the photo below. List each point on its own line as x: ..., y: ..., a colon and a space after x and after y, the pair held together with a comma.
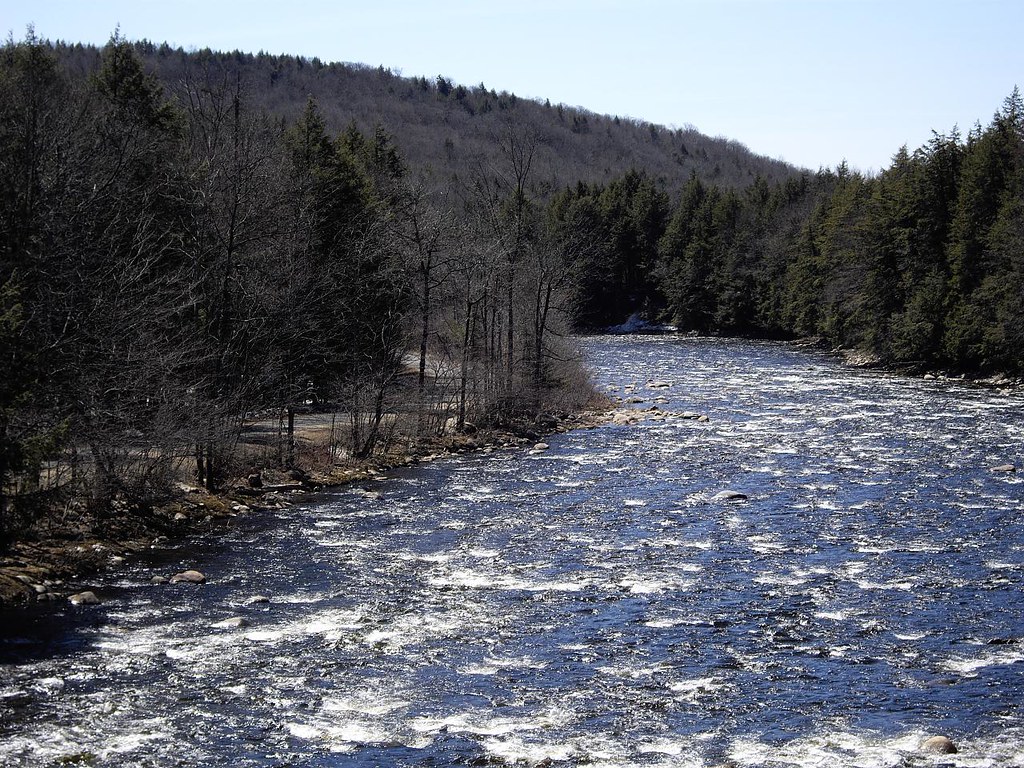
x: 939, y: 745
x: 257, y: 599
x: 84, y: 598
x: 188, y: 577
x: 728, y: 495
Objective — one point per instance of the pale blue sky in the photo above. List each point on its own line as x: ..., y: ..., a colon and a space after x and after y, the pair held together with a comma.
x: 809, y: 81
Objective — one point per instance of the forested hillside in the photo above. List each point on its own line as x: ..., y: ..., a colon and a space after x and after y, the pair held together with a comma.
x: 446, y: 129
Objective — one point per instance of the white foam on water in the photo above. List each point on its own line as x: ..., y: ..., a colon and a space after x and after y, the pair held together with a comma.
x: 692, y: 690
x: 333, y: 623
x: 638, y: 585
x: 702, y: 544
x: 969, y: 666
x: 481, y: 723
x: 841, y: 615
x: 852, y: 568
x: 910, y: 636
x: 514, y: 662
x: 996, y: 565
x: 303, y: 731
x: 904, y: 586
x: 343, y: 736
x: 364, y: 703
x: 625, y: 672
x: 596, y: 751
x: 475, y: 580
x: 49, y: 685
x: 432, y: 557
x: 61, y: 745
x: 265, y: 635
x: 765, y: 544
x: 841, y: 748
x: 780, y: 579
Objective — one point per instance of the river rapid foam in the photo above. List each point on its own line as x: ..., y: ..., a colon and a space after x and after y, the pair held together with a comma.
x: 593, y: 604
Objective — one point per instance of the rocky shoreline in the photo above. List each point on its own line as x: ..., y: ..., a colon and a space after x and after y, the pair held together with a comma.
x: 46, y: 564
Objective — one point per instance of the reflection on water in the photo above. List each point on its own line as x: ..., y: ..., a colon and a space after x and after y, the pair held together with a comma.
x: 593, y: 604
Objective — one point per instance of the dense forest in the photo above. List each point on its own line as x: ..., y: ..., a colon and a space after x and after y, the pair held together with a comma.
x: 921, y: 266
x: 192, y: 241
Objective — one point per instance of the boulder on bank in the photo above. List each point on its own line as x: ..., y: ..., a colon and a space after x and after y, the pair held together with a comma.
x: 188, y: 577
x: 546, y: 421
x: 939, y: 745
x: 84, y: 598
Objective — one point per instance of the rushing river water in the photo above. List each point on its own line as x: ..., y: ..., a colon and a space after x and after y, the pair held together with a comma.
x: 592, y: 604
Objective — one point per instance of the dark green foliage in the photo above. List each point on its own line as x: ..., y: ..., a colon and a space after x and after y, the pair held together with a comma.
x: 624, y: 220
x: 919, y: 266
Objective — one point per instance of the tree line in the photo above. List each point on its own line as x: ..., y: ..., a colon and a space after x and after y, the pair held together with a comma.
x: 176, y: 263
x: 920, y: 266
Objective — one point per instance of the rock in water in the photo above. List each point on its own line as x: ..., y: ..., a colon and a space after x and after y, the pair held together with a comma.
x: 939, y: 745
x: 729, y: 496
x: 84, y: 598
x: 235, y: 622
x: 257, y: 599
x: 1004, y: 468
x: 189, y: 577
x: 541, y: 447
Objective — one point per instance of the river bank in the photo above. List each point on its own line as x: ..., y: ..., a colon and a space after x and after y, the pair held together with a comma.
x: 40, y: 567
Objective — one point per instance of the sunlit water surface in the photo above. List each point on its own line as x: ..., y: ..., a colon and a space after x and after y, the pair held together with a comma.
x: 591, y: 604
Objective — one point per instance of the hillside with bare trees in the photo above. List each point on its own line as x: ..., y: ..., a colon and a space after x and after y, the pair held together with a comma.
x: 448, y: 129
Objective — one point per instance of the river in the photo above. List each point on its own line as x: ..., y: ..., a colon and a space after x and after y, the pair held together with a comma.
x: 592, y: 604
